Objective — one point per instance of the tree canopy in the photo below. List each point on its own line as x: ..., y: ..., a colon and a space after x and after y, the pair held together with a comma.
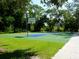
x: 12, y: 11
x: 54, y: 2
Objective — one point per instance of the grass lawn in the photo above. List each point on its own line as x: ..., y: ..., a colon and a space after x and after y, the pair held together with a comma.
x: 46, y: 46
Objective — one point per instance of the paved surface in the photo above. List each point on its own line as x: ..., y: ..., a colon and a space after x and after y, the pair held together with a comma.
x: 70, y: 50
x: 34, y: 57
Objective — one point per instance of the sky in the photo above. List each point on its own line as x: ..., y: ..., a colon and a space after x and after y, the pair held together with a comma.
x: 38, y: 3
x: 70, y: 0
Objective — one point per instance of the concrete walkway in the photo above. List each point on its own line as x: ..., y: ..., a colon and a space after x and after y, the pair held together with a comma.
x: 70, y: 50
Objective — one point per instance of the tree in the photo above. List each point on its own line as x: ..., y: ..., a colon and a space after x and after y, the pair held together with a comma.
x: 12, y: 9
x: 2, y: 27
x: 77, y: 18
x: 57, y: 4
x: 54, y: 2
x: 35, y: 10
x: 40, y: 23
x: 70, y: 23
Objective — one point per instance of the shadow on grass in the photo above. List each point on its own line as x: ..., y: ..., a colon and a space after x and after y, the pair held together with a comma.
x: 19, y: 36
x: 19, y: 54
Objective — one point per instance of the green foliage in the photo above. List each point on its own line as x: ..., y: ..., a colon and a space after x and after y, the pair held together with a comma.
x: 35, y: 11
x: 70, y: 22
x: 11, y: 12
x: 40, y: 23
x: 10, y: 7
x: 55, y: 12
x: 55, y: 2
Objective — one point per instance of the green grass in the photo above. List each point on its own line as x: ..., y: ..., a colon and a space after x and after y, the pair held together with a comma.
x: 46, y: 46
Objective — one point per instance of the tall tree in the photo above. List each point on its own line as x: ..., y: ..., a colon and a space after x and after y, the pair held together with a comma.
x: 12, y: 9
x: 77, y: 18
x: 58, y: 4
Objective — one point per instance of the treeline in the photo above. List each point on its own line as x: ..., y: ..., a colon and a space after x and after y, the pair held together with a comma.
x: 12, y: 17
